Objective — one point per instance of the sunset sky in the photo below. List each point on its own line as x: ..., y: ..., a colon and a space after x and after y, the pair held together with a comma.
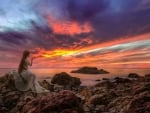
x: 75, y: 33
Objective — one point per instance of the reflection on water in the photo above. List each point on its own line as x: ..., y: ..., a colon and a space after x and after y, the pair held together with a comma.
x: 87, y: 79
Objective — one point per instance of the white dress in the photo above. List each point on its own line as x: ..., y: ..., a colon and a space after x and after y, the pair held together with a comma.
x: 29, y: 82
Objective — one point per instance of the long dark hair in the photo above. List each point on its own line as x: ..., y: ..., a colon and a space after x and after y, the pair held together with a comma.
x: 26, y: 53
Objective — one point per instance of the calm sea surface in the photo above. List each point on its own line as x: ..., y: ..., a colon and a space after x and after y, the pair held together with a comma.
x: 87, y: 79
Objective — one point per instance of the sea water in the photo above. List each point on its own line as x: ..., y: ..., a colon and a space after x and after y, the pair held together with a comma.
x: 87, y: 79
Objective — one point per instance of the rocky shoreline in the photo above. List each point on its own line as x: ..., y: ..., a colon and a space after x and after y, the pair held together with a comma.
x: 118, y: 95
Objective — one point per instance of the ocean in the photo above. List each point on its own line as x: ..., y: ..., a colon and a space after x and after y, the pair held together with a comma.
x: 87, y: 79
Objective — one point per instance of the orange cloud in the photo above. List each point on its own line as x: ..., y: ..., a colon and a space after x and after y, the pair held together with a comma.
x: 68, y: 27
x: 129, y: 57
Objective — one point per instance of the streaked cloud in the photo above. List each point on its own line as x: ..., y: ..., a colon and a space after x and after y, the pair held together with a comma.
x: 75, y: 32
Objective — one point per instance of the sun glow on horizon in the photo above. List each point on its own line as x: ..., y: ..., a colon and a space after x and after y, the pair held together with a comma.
x: 121, y: 54
x: 59, y: 52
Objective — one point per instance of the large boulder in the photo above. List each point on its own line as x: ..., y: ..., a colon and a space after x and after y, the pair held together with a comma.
x: 65, y: 79
x: 61, y: 79
x: 90, y: 70
x: 133, y: 75
x: 62, y: 102
x: 75, y: 82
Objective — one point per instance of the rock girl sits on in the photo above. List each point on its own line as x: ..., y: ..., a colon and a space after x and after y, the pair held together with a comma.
x: 25, y: 80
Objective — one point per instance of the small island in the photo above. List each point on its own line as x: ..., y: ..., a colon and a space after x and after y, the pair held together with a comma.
x: 90, y: 70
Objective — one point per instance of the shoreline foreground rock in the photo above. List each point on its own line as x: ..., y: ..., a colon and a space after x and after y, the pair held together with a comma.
x: 62, y: 102
x: 120, y: 95
x: 65, y: 80
x: 90, y: 70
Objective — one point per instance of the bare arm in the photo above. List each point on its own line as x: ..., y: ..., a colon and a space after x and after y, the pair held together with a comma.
x: 31, y: 61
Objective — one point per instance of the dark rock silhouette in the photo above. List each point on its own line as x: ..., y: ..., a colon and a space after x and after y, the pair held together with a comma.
x: 9, y: 95
x: 142, y: 88
x: 47, y: 85
x: 75, y: 82
x: 118, y: 95
x: 105, y: 79
x: 102, y: 99
x: 147, y: 77
x: 133, y: 75
x: 90, y: 70
x: 140, y: 103
x: 61, y: 79
x: 122, y: 80
x: 105, y: 83
x: 62, y: 102
x: 65, y: 80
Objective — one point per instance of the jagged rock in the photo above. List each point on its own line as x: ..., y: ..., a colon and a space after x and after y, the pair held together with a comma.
x: 61, y: 102
x: 95, y: 109
x: 90, y: 70
x: 140, y: 89
x: 119, y: 95
x: 100, y: 109
x: 11, y: 99
x: 133, y: 75
x: 119, y: 105
x: 47, y: 85
x: 140, y: 103
x: 147, y: 77
x: 86, y: 93
x: 4, y: 110
x: 102, y: 99
x: 105, y: 78
x: 122, y: 80
x: 7, y: 82
x: 105, y: 83
x: 9, y: 95
x: 99, y: 90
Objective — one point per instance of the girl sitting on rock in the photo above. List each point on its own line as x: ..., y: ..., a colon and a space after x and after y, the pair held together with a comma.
x: 25, y: 80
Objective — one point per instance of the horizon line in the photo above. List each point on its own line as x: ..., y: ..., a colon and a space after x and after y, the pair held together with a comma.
x: 74, y: 67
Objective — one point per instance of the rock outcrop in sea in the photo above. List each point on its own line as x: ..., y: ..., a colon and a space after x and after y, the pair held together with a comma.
x: 90, y: 70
